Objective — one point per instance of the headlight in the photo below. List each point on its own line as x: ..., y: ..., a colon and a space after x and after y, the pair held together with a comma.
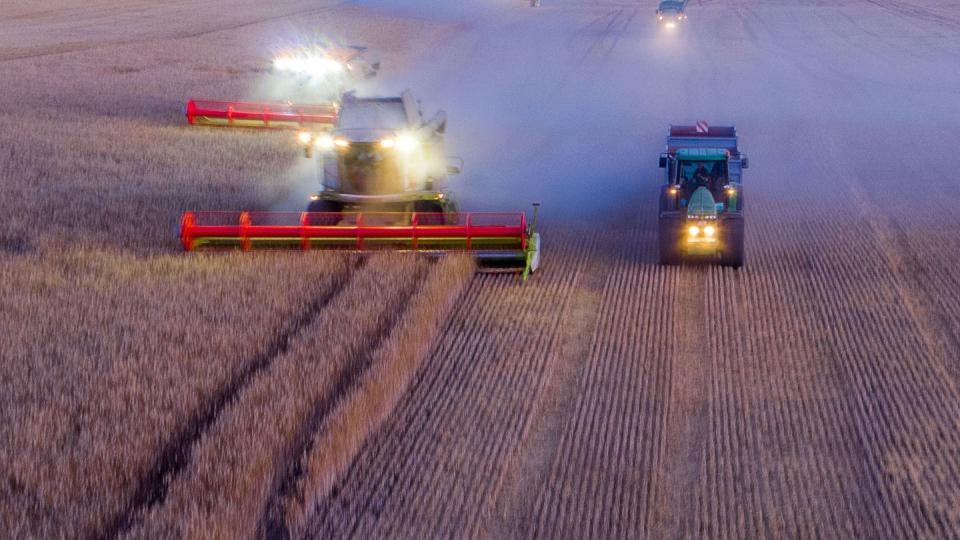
x: 319, y: 67
x: 325, y: 142
x: 388, y: 143
x: 709, y: 230
x: 670, y: 24
x: 693, y: 230
x: 304, y: 137
x: 283, y: 63
x: 341, y: 143
x: 407, y: 143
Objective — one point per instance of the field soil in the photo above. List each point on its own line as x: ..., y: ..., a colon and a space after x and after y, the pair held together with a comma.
x: 815, y: 392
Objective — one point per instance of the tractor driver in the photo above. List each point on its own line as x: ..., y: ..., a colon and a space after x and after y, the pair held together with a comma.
x: 701, y: 176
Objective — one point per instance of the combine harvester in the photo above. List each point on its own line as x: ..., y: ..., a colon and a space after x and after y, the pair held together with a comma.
x: 383, y: 172
x: 322, y: 72
x: 701, y: 198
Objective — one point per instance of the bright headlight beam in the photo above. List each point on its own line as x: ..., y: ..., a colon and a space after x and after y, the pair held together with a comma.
x: 709, y: 230
x: 342, y: 143
x: 693, y: 230
x: 406, y: 143
x: 388, y: 143
x: 304, y: 137
x: 325, y: 142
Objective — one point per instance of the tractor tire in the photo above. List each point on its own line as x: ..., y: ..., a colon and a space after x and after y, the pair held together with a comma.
x: 669, y: 240
x: 430, y: 213
x: 331, y: 213
x: 733, y: 242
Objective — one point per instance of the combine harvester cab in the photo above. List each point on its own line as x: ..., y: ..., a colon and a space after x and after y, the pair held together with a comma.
x: 701, y: 197
x: 382, y: 155
x: 383, y: 174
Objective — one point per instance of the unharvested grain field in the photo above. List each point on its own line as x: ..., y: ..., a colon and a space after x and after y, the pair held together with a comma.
x: 813, y: 393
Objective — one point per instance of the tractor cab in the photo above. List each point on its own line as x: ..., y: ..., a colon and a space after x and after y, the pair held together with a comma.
x: 694, y: 168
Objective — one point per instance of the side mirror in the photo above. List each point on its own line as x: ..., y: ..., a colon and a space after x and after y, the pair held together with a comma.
x: 745, y: 162
x: 454, y: 165
x: 663, y: 162
x: 439, y: 123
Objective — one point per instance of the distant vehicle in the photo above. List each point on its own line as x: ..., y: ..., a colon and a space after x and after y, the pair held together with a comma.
x: 322, y: 74
x: 670, y: 13
x: 326, y: 71
x: 701, y: 197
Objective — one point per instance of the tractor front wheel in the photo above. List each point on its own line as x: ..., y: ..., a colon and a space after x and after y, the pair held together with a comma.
x: 429, y: 213
x: 669, y: 239
x: 732, y: 254
x: 324, y: 213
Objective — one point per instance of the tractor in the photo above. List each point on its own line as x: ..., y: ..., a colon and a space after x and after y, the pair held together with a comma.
x: 701, y: 196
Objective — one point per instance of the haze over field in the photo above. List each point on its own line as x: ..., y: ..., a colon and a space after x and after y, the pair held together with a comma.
x: 813, y: 392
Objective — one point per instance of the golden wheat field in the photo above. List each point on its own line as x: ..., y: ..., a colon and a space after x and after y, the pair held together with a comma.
x: 815, y: 392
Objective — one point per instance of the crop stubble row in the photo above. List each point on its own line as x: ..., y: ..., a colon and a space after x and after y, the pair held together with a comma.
x: 453, y: 436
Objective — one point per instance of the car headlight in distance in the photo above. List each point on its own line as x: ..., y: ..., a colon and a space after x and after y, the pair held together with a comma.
x: 341, y: 143
x: 304, y: 137
x: 693, y: 230
x: 388, y: 143
x: 671, y: 24
x: 709, y: 231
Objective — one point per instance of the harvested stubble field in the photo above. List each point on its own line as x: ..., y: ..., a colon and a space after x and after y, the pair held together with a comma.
x: 813, y: 393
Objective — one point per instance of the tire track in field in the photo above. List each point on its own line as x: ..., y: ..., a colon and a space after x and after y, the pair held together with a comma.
x: 919, y: 13
x: 272, y: 524
x: 608, y: 36
x: 175, y: 456
x: 687, y: 408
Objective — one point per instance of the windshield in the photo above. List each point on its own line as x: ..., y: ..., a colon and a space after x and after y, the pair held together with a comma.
x: 673, y: 6
x: 367, y: 170
x: 372, y: 115
x: 691, y: 174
